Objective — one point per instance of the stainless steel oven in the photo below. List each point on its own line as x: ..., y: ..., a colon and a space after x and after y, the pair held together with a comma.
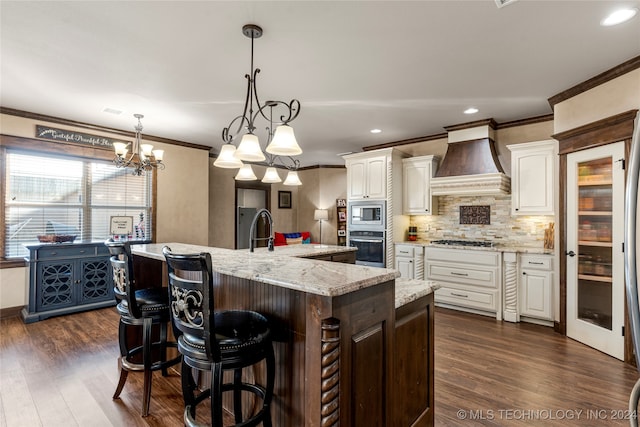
x: 367, y: 215
x: 371, y: 247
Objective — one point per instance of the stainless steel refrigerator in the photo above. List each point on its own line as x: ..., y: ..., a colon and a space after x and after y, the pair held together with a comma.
x: 244, y: 217
x: 631, y: 258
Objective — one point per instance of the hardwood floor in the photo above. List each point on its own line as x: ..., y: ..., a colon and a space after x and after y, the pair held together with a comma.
x: 502, y: 373
x: 63, y: 371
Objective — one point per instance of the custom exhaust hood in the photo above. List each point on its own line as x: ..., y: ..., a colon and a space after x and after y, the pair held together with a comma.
x: 471, y: 165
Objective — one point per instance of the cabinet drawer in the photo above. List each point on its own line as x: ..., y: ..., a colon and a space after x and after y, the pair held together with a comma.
x: 102, y: 250
x: 472, y: 299
x: 486, y: 258
x: 66, y: 252
x: 404, y: 251
x: 347, y: 258
x: 528, y: 262
x: 464, y: 275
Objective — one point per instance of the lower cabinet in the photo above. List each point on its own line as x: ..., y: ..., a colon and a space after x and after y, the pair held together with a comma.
x: 343, y: 257
x: 536, y: 286
x: 413, y: 372
x: 471, y: 280
x: 67, y: 278
x: 409, y: 260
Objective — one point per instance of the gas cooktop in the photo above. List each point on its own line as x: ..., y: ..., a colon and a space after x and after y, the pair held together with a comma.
x: 477, y: 243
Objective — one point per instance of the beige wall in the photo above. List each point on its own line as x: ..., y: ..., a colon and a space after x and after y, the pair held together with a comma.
x: 13, y: 287
x: 614, y: 97
x: 320, y: 188
x: 182, y: 197
x: 518, y: 135
x: 222, y: 201
x: 325, y: 185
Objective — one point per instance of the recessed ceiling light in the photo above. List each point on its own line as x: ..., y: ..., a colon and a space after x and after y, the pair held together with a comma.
x: 110, y: 110
x: 501, y: 3
x: 618, y: 17
x: 375, y: 131
x: 471, y: 110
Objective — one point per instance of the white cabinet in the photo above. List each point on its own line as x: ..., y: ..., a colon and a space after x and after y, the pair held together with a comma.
x: 416, y: 187
x: 533, y: 177
x: 377, y: 175
x: 536, y: 286
x: 367, y: 178
x: 410, y: 261
x: 470, y: 280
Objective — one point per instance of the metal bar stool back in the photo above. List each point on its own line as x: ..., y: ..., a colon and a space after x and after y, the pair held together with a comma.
x: 217, y: 341
x: 144, y: 310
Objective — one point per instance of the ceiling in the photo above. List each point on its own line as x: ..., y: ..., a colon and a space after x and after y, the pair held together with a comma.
x: 407, y: 68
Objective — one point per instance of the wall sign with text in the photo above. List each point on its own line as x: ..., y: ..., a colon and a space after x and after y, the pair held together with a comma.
x: 73, y: 137
x: 121, y: 225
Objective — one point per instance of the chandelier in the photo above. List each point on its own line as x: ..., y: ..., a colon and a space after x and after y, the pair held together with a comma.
x: 281, y: 141
x: 142, y: 157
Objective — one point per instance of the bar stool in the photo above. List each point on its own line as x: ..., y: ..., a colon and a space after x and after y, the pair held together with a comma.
x: 139, y: 309
x: 216, y: 341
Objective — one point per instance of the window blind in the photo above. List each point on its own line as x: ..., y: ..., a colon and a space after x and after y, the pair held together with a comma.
x: 69, y: 196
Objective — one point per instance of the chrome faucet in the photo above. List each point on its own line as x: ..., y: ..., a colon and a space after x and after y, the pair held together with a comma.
x: 264, y: 213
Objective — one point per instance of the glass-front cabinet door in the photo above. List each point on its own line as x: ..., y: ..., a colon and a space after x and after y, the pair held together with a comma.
x: 595, y: 233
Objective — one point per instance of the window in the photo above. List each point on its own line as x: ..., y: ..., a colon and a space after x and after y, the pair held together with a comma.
x: 47, y: 194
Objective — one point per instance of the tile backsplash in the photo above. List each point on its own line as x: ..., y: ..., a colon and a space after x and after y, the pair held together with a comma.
x: 526, y: 231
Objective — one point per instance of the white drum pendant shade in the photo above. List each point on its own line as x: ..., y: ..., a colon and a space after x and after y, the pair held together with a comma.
x: 249, y: 149
x: 284, y: 142
x: 227, y: 158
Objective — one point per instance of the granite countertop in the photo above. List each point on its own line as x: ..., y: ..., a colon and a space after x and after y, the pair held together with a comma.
x: 303, y: 251
x: 498, y: 247
x: 280, y: 268
x: 409, y: 290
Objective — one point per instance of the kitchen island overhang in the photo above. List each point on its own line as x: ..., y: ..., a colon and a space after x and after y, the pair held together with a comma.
x: 335, y: 331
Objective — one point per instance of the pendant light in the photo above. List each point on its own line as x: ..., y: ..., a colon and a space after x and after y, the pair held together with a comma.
x: 281, y: 140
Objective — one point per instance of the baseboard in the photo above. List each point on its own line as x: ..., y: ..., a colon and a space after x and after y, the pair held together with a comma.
x: 10, y: 312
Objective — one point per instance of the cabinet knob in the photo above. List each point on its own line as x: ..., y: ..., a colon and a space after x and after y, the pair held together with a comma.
x: 571, y: 253
x: 524, y: 273
x: 517, y: 209
x: 426, y: 210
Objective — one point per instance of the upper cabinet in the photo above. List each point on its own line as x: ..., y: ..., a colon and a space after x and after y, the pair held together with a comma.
x: 366, y: 177
x: 533, y: 177
x: 416, y: 187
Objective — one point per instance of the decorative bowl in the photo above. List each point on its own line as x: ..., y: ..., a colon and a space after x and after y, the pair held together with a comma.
x: 56, y: 238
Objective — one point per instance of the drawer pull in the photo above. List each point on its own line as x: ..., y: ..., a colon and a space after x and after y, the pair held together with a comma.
x: 54, y: 253
x: 536, y: 262
x: 404, y: 252
x: 453, y: 273
x: 459, y: 295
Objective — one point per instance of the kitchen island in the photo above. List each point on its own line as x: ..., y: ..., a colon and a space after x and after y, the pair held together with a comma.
x: 341, y: 355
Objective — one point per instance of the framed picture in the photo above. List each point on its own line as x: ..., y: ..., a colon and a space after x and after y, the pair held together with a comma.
x: 284, y: 199
x: 121, y: 225
x: 342, y: 216
x: 342, y: 233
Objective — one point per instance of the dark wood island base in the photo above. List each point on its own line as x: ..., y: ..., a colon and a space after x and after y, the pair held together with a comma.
x: 345, y: 357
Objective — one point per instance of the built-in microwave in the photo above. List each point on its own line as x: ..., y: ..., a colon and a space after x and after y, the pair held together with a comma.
x: 370, y: 214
